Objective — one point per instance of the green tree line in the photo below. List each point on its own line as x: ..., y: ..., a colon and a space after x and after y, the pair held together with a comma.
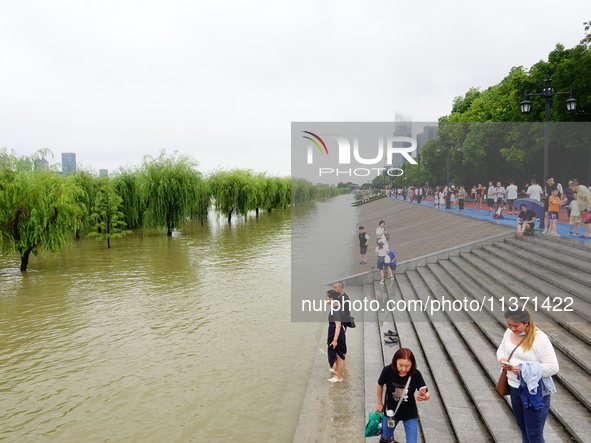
x: 497, y: 142
x: 43, y: 210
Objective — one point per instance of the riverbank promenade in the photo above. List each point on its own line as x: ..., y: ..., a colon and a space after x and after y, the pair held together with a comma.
x: 456, y: 274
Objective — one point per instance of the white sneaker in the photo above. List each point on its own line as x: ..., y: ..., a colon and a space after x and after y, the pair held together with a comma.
x: 335, y: 379
x: 382, y: 281
x: 332, y: 371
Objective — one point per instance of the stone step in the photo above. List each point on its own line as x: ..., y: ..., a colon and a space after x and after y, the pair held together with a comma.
x: 564, y: 406
x: 462, y: 412
x: 575, y: 346
x: 573, y: 354
x: 472, y: 377
x: 476, y: 329
x: 437, y: 425
x: 566, y: 245
x: 555, y: 295
x: 550, y: 260
x: 543, y: 275
x: 558, y: 325
x: 573, y: 258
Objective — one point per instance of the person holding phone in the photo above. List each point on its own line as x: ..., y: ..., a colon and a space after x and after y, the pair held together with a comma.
x: 529, y: 372
x: 402, y: 380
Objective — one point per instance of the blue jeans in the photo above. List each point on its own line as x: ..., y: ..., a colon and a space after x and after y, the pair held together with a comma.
x: 530, y: 421
x: 411, y: 428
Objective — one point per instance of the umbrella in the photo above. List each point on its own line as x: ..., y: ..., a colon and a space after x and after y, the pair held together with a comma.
x: 533, y: 204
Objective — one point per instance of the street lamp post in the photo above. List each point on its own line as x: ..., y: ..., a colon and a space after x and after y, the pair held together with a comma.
x: 448, y: 144
x: 547, y: 93
x: 419, y: 163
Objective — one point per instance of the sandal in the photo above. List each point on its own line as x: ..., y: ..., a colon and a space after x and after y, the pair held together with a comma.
x: 390, y: 333
x: 391, y: 340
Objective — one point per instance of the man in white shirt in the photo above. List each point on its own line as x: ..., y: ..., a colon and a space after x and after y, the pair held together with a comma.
x: 534, y: 191
x: 511, y: 195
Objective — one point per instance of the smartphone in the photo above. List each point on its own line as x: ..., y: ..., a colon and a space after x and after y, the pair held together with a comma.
x: 422, y: 390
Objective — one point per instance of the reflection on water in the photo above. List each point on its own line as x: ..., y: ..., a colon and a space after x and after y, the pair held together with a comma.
x: 186, y: 338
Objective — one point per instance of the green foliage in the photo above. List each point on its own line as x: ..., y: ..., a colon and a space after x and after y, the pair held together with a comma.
x: 302, y: 191
x: 128, y: 186
x: 39, y: 209
x: 107, y: 217
x: 501, y: 152
x: 170, y: 186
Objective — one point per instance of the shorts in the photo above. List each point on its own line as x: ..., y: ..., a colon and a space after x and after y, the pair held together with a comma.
x: 510, y: 201
x: 490, y: 202
x: 363, y: 250
x: 381, y: 263
x: 574, y: 219
x: 393, y: 266
x: 552, y: 215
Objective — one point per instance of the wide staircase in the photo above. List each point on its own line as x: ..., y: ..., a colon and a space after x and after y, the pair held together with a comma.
x: 456, y: 349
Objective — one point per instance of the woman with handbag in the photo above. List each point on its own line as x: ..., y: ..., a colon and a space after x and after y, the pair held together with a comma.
x: 528, y: 357
x: 402, y: 380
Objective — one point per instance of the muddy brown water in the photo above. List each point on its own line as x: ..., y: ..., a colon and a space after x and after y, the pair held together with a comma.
x: 156, y: 339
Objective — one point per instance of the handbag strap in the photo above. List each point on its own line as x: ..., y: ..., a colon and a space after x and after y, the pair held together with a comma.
x: 515, y: 348
x: 402, y: 396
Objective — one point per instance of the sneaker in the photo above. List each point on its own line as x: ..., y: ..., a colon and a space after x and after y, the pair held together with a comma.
x: 363, y: 262
x: 571, y: 233
x: 331, y: 370
x: 392, y: 277
x: 545, y: 231
x: 382, y: 281
x: 335, y: 379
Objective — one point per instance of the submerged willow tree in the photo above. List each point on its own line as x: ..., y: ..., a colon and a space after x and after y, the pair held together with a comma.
x: 39, y: 209
x: 106, y: 215
x: 234, y: 191
x: 172, y: 188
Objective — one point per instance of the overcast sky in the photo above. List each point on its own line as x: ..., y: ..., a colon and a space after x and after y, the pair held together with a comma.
x: 222, y: 81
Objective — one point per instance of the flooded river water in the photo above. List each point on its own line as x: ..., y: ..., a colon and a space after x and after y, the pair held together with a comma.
x: 162, y: 339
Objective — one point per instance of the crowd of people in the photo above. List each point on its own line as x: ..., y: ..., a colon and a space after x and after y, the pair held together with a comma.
x: 499, y: 198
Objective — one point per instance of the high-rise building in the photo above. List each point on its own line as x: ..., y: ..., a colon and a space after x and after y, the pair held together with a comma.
x: 429, y: 133
x: 402, y: 128
x: 103, y: 172
x: 68, y: 162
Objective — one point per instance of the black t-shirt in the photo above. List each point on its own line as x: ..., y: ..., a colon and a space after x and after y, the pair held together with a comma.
x: 527, y: 215
x: 395, y: 387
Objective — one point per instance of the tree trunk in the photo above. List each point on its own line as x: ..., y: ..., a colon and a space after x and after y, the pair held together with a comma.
x: 25, y: 259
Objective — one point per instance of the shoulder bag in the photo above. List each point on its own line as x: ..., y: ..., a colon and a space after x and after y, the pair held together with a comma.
x: 502, y: 386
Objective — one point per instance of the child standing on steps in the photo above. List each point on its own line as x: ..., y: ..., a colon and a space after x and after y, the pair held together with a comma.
x: 575, y: 217
x: 554, y: 203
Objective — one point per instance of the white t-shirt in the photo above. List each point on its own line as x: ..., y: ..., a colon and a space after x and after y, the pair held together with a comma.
x: 380, y: 235
x: 499, y: 194
x: 574, y: 209
x: 535, y: 192
x: 512, y: 192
